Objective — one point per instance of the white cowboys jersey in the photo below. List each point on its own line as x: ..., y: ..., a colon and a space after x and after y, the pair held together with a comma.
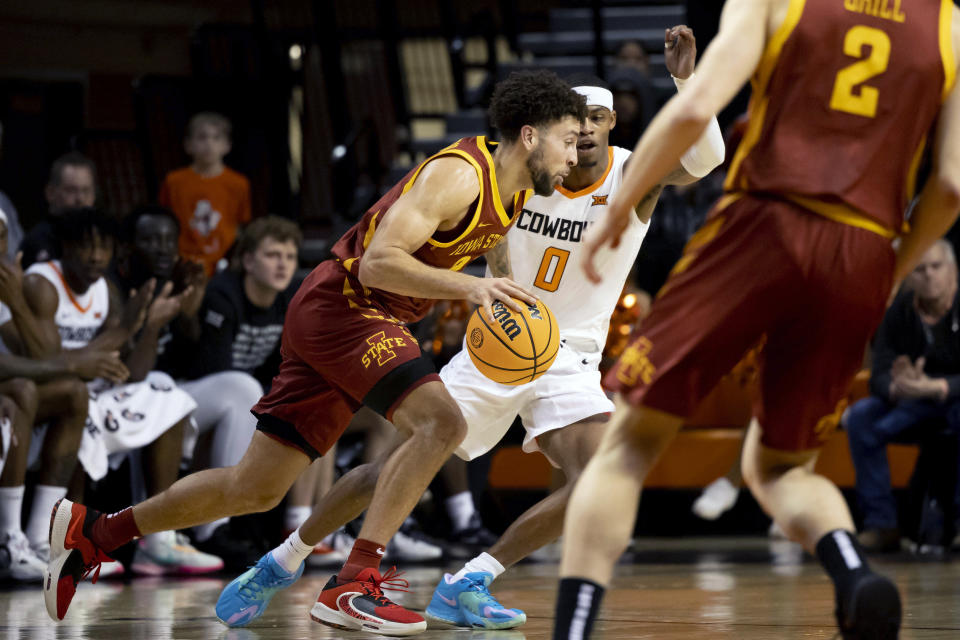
x: 78, y: 317
x: 545, y: 256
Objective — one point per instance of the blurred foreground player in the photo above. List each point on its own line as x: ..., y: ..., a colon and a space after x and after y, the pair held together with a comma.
x: 800, y: 246
x: 345, y: 345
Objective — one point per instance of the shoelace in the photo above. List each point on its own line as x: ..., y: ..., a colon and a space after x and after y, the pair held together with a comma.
x: 390, y: 581
x: 252, y: 589
x: 479, y: 587
x: 94, y: 566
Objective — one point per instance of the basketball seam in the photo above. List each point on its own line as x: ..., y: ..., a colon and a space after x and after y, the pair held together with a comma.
x: 493, y: 366
x: 533, y: 346
x: 494, y: 334
x: 552, y: 320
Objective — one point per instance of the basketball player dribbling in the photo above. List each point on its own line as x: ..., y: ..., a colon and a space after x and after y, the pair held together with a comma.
x: 565, y: 409
x: 345, y: 345
x: 844, y: 95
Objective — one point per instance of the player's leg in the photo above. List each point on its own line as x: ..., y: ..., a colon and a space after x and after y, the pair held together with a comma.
x: 463, y: 598
x: 257, y: 483
x: 812, y: 511
x: 26, y: 562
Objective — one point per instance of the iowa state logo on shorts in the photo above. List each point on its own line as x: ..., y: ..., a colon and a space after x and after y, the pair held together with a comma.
x: 381, y: 349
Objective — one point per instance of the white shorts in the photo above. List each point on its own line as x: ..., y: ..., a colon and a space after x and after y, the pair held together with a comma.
x: 568, y: 392
x: 122, y: 419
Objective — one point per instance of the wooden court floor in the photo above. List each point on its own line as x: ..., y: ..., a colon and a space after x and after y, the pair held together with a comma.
x: 744, y: 589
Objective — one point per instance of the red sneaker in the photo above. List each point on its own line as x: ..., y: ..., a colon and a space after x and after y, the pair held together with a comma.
x: 360, y: 605
x: 72, y: 555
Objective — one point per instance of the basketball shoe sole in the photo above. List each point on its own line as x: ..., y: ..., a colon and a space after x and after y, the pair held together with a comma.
x: 874, y: 611
x: 356, y: 610
x: 69, y: 550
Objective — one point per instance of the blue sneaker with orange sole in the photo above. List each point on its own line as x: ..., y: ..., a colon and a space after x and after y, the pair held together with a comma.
x: 467, y: 603
x: 246, y: 598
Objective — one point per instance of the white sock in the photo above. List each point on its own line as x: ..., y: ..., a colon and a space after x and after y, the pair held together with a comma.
x: 483, y: 562
x: 11, y: 504
x: 295, y: 516
x: 460, y: 508
x: 204, y: 531
x: 38, y: 527
x: 292, y: 552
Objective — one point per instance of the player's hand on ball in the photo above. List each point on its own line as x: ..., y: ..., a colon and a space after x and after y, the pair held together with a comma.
x: 606, y: 232
x: 680, y: 51
x: 487, y: 290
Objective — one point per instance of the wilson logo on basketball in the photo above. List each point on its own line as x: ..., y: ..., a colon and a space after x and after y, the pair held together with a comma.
x: 507, y: 322
x: 476, y: 337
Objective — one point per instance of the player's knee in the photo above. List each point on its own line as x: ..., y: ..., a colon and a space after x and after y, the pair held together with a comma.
x: 76, y: 395
x: 255, y: 497
x: 243, y: 389
x: 446, y: 426
x: 24, y: 394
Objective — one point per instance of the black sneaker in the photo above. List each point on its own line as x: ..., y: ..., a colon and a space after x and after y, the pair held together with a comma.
x: 473, y: 540
x: 236, y: 551
x: 873, y: 612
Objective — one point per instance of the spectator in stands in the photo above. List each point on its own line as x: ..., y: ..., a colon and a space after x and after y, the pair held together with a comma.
x: 49, y: 390
x: 72, y: 184
x: 632, y: 55
x: 13, y: 230
x: 634, y: 96
x: 210, y: 199
x: 914, y: 386
x: 226, y: 338
x: 74, y: 307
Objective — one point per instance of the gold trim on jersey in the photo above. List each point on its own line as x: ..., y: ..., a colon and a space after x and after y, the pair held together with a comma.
x: 371, y: 228
x: 841, y: 213
x: 761, y: 78
x: 947, y: 53
x: 451, y: 150
x: 497, y: 203
x: 596, y: 185
x: 914, y: 168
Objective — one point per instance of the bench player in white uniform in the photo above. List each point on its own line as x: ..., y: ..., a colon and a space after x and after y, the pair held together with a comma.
x: 564, y: 410
x: 74, y: 309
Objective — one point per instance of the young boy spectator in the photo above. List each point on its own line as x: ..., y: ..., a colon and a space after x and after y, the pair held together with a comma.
x: 210, y: 199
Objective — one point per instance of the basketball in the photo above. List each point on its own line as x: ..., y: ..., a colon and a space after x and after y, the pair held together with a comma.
x: 516, y: 348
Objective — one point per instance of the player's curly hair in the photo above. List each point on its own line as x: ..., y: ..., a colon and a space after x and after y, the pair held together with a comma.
x: 76, y: 227
x: 532, y: 98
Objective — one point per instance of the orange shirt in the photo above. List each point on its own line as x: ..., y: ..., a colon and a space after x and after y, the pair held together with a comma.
x: 210, y: 211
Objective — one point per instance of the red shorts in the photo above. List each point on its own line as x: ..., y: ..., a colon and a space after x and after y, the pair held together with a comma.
x: 340, y: 351
x: 759, y: 267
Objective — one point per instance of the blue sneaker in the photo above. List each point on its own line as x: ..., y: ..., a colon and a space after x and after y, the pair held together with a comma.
x: 246, y: 598
x: 468, y: 603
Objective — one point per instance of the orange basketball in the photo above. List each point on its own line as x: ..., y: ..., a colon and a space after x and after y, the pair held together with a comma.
x: 518, y: 347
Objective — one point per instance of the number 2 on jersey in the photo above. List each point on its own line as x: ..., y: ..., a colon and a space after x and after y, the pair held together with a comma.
x: 548, y: 278
x: 850, y: 77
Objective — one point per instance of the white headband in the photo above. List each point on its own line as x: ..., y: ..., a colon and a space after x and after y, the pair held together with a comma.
x: 596, y: 96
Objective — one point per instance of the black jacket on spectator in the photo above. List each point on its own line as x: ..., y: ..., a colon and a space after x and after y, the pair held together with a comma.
x: 902, y: 332
x: 237, y: 335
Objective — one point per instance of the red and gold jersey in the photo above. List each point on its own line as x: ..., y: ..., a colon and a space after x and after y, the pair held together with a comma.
x: 843, y: 100
x: 478, y: 232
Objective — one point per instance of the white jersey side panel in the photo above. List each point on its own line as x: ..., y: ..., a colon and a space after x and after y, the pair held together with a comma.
x: 78, y: 317
x: 545, y: 256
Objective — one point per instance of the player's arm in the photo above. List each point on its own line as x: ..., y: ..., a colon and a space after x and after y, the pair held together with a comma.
x: 43, y: 340
x: 498, y: 259
x: 939, y: 201
x: 726, y: 66
x: 442, y: 194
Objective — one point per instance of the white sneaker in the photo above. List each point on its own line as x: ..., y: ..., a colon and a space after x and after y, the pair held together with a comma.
x: 719, y: 496
x: 169, y: 552
x: 24, y: 565
x: 406, y: 548
x: 332, y: 551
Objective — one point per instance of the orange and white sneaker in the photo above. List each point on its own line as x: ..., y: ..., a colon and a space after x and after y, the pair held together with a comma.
x: 73, y: 555
x: 359, y: 605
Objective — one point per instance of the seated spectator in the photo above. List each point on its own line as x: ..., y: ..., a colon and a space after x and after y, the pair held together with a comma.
x: 210, y: 199
x: 914, y: 387
x: 75, y: 308
x: 235, y: 348
x: 12, y: 226
x: 72, y: 184
x: 51, y: 390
